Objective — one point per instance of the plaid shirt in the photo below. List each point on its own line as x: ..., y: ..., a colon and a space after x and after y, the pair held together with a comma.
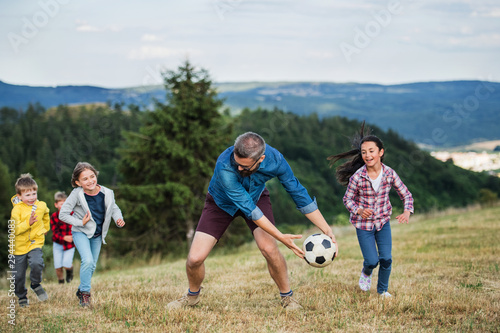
x: 59, y: 230
x: 360, y: 194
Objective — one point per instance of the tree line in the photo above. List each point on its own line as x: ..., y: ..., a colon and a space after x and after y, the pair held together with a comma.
x: 159, y: 161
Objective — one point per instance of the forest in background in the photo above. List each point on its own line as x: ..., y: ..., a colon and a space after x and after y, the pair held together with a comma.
x: 159, y: 162
x: 437, y: 114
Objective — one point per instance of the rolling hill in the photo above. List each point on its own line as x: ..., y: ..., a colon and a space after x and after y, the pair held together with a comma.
x: 442, y: 114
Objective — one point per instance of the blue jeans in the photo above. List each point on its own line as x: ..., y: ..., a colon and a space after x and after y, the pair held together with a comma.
x: 89, y: 249
x: 369, y: 241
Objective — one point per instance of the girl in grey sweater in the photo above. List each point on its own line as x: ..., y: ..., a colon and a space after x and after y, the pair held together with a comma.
x: 93, y: 206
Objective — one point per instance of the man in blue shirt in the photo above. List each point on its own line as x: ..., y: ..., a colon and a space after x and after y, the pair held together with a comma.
x: 237, y: 188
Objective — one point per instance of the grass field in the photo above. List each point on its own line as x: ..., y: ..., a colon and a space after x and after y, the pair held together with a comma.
x: 445, y: 278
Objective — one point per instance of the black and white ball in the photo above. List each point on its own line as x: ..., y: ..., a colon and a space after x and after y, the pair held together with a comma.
x: 319, y: 250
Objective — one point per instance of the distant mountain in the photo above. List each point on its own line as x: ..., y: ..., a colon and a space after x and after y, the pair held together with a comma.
x: 21, y: 96
x: 432, y: 113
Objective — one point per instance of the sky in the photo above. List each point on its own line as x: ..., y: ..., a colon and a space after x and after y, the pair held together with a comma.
x: 116, y: 44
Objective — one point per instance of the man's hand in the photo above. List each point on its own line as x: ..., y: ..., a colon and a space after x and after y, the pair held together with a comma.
x: 318, y: 220
x: 68, y: 238
x: 332, y: 236
x: 287, y: 239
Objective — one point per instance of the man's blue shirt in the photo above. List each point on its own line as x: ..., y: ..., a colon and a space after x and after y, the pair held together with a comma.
x: 232, y: 191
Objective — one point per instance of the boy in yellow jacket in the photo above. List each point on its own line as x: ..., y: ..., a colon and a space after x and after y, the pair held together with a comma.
x: 32, y: 223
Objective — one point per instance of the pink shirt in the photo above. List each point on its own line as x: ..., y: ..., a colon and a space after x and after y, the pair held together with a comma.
x: 360, y: 194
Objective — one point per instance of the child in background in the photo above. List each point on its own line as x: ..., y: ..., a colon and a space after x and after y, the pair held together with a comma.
x: 62, y: 242
x: 368, y: 183
x: 93, y: 206
x: 32, y: 223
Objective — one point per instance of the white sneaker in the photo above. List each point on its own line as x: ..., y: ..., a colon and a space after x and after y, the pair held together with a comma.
x: 385, y: 294
x: 365, y: 281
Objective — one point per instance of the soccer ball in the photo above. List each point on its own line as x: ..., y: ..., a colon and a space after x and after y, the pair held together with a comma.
x: 319, y: 250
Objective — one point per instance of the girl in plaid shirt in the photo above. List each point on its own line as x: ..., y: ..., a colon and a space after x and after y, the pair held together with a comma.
x: 368, y: 183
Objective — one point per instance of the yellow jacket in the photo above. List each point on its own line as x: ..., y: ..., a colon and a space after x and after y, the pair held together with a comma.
x: 29, y: 237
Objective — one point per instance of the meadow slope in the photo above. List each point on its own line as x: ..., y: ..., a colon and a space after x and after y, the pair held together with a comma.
x: 445, y: 278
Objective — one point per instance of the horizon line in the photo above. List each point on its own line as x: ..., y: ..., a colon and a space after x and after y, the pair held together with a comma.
x: 253, y: 82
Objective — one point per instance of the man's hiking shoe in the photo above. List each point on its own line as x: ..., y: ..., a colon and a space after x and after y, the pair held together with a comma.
x: 290, y: 304
x: 40, y: 293
x: 184, y: 301
x: 365, y: 281
x: 23, y: 302
x: 85, y: 299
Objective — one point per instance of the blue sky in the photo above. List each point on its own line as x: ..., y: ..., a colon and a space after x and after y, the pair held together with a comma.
x: 121, y: 44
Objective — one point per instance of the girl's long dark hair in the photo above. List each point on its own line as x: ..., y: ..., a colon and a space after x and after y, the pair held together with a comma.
x: 346, y: 170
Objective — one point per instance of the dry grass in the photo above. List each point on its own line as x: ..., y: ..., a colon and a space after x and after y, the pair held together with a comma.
x: 444, y: 278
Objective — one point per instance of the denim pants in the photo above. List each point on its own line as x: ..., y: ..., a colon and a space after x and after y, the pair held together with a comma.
x: 34, y: 259
x: 89, y: 249
x: 369, y: 242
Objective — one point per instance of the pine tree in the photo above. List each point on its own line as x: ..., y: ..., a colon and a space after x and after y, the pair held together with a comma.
x: 167, y: 165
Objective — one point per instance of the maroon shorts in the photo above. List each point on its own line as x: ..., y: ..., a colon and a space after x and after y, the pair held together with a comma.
x: 214, y: 221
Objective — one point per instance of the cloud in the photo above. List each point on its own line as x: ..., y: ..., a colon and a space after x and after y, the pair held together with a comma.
x: 313, y: 54
x: 256, y: 40
x: 487, y: 12
x: 481, y: 41
x: 87, y: 28
x: 463, y: 43
x: 159, y: 52
x: 449, y: 8
x: 83, y: 26
x: 150, y: 38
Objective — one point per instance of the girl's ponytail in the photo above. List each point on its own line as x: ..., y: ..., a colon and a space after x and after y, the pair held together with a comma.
x: 346, y: 170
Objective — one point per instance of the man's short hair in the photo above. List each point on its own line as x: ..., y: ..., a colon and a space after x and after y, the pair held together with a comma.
x: 60, y: 196
x: 249, y: 145
x: 25, y: 182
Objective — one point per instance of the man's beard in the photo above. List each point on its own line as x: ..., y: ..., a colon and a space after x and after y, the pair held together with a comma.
x: 248, y: 173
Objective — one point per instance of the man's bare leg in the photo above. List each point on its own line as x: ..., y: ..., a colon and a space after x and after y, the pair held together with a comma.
x: 195, y: 265
x: 276, y: 263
